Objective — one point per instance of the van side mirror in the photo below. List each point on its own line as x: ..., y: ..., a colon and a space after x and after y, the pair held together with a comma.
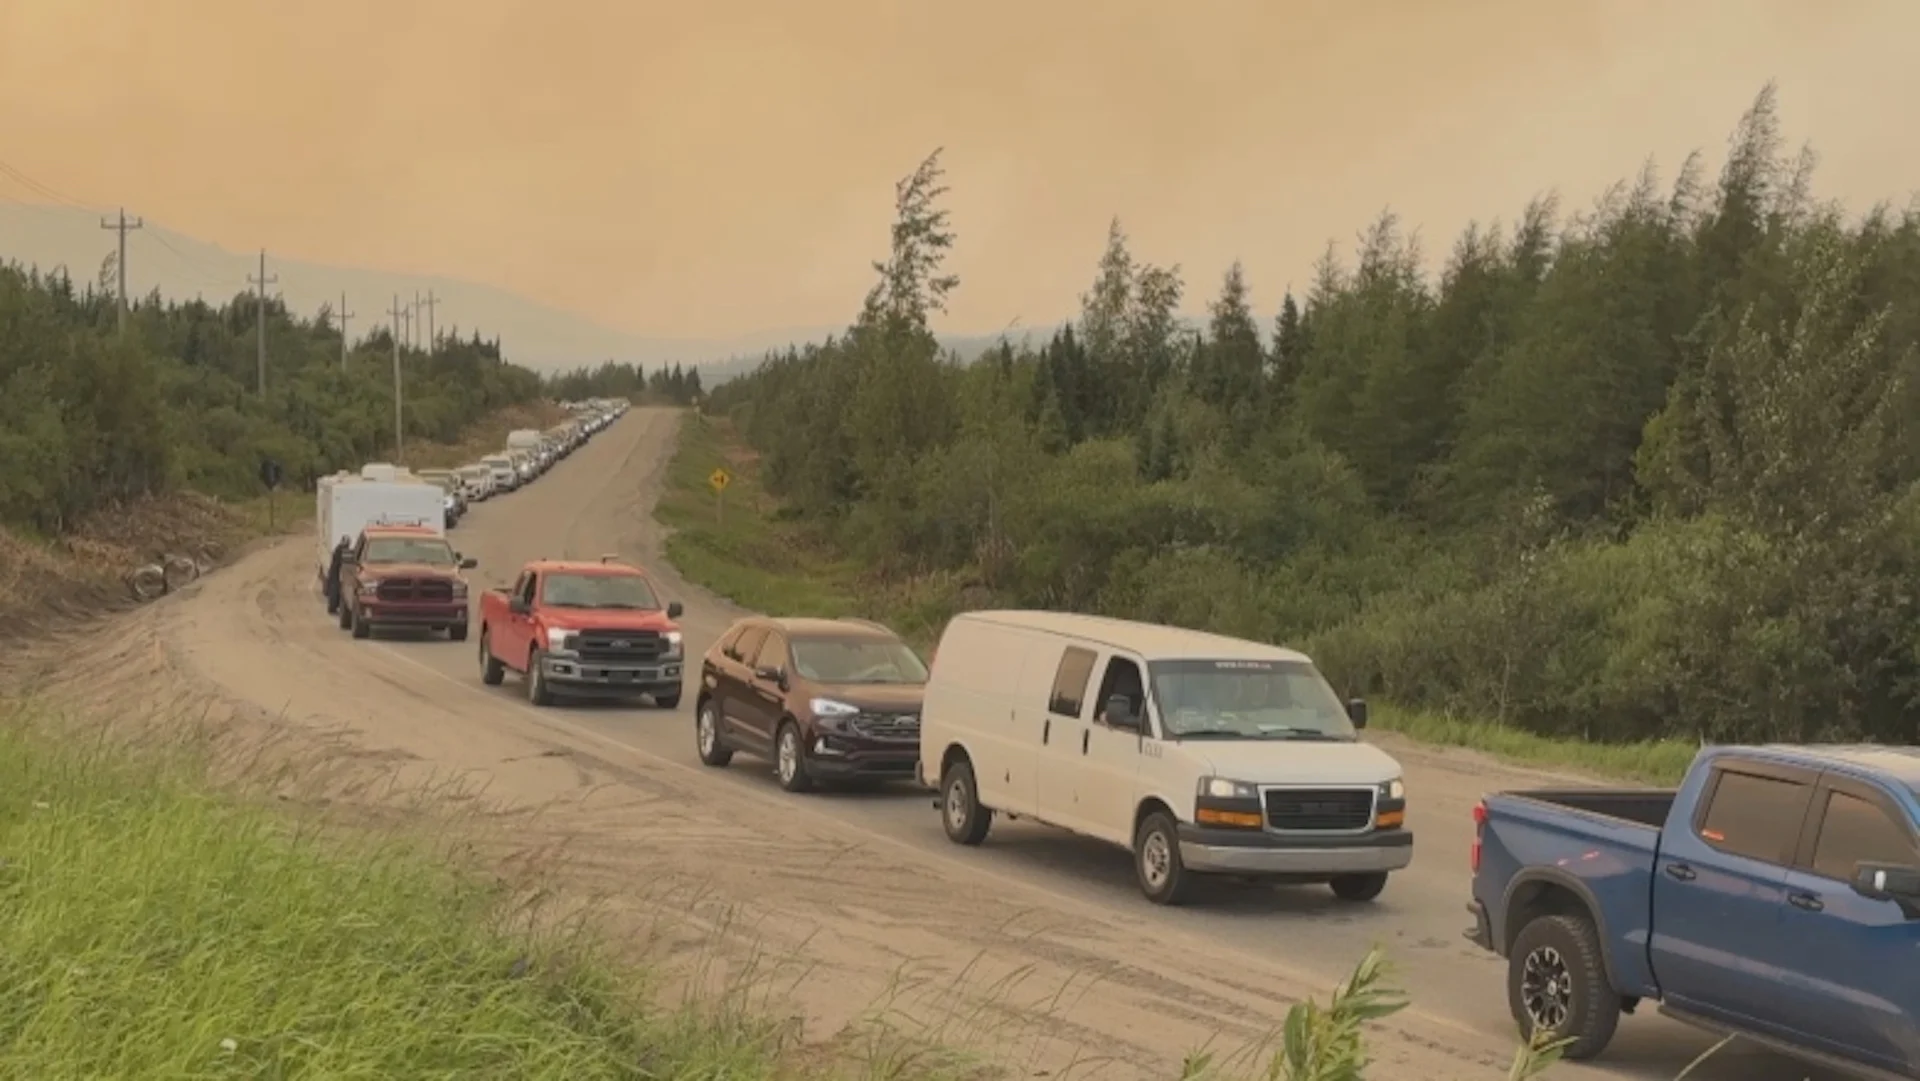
x: 519, y: 606
x: 1120, y: 712
x: 674, y: 609
x: 1886, y: 882
x: 1357, y: 712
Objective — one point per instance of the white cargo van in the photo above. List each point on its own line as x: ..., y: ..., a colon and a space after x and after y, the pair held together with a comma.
x: 1202, y: 754
x: 345, y: 504
x: 505, y: 477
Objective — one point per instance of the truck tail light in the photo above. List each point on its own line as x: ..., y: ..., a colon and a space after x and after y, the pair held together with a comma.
x: 1479, y: 824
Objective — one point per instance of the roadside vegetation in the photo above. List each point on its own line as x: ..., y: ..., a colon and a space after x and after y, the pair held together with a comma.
x: 1612, y: 484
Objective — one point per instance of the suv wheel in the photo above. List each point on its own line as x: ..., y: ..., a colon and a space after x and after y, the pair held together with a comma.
x: 790, y: 759
x: 706, y: 735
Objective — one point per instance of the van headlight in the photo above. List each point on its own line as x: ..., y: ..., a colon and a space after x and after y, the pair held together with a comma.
x: 1223, y: 788
x: 1394, y: 789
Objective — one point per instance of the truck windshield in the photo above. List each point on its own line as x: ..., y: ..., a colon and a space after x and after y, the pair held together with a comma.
x: 1247, y: 700
x: 857, y: 660
x: 408, y: 550
x: 599, y: 591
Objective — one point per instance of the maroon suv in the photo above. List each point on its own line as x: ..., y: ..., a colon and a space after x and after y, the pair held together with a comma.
x: 825, y: 699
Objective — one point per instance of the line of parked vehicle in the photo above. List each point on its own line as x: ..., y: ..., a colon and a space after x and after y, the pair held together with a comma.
x: 1775, y: 894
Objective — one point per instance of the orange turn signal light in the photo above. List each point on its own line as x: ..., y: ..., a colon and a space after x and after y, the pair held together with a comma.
x: 1390, y: 820
x: 1207, y: 816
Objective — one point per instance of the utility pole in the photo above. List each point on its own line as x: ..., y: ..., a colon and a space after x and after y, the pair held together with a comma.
x: 406, y: 327
x: 399, y: 438
x: 344, y: 316
x: 120, y: 262
x: 431, y: 302
x: 260, y: 314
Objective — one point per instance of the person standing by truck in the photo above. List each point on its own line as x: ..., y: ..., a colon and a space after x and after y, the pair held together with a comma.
x: 333, y: 575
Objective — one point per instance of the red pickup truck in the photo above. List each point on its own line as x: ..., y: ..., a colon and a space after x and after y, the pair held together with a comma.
x: 592, y: 630
x: 403, y: 576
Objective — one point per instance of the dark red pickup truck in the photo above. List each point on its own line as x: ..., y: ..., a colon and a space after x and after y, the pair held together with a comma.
x: 403, y: 576
x: 592, y: 630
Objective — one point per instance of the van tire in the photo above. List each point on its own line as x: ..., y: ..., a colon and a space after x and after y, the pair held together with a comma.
x: 1359, y: 889
x: 1156, y: 861
x: 1581, y: 1006
x: 961, y: 813
x: 492, y: 672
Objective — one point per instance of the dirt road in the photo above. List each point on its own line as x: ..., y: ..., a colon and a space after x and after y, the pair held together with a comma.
x: 1037, y: 945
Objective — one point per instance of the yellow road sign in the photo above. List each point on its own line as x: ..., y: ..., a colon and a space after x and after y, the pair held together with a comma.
x: 720, y: 478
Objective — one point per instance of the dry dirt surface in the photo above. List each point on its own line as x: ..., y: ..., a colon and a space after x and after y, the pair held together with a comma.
x: 1035, y: 948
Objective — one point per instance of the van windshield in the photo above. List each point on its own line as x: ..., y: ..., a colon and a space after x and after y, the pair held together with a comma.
x: 1276, y: 700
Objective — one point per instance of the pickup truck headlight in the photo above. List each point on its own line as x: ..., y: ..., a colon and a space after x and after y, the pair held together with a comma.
x: 675, y: 643
x: 459, y: 591
x: 557, y: 638
x: 1222, y: 788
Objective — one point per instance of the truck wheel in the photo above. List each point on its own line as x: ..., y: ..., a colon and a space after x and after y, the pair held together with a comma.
x: 1557, y: 986
x: 457, y: 632
x: 537, y: 692
x: 1156, y: 861
x: 491, y: 670
x: 345, y: 617
x: 667, y: 701
x: 361, y: 628
x: 966, y: 821
x: 790, y: 760
x: 706, y: 735
x: 1358, y: 888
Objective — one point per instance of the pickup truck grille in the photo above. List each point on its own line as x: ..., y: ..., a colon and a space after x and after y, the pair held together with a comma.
x: 887, y: 725
x: 1324, y: 809
x: 620, y: 647
x: 415, y: 589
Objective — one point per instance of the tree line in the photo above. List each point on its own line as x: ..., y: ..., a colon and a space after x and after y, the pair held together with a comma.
x: 669, y: 384
x: 1648, y: 469
x: 90, y: 415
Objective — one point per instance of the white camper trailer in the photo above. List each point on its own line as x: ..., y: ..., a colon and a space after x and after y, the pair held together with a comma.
x: 527, y: 439
x: 346, y: 504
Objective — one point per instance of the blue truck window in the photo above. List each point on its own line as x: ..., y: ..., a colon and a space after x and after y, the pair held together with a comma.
x: 1756, y: 817
x: 1854, y: 831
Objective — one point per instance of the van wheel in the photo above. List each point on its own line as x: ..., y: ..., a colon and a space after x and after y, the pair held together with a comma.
x: 491, y: 670
x: 790, y: 760
x: 537, y: 692
x: 1557, y: 986
x: 1156, y: 861
x: 1359, y: 888
x: 706, y: 735
x: 966, y: 821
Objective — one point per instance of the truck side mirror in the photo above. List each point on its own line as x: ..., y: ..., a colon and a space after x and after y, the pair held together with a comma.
x: 1886, y: 882
x: 1357, y: 712
x: 519, y: 606
x: 674, y: 609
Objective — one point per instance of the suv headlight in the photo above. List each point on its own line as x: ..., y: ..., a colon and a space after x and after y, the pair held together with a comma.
x: 557, y: 638
x: 831, y: 711
x: 1222, y: 788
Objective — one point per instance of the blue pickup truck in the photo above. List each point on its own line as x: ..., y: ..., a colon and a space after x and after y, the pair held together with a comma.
x: 1775, y: 895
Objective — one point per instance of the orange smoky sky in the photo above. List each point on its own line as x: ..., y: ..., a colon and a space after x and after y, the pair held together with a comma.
x: 717, y: 167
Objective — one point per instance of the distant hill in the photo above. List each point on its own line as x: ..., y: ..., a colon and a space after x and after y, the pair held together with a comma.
x: 537, y: 335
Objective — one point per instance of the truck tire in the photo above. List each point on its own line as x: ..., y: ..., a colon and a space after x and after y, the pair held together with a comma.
x: 1156, y: 861
x: 706, y: 735
x: 1359, y: 888
x: 345, y: 616
x: 961, y: 813
x: 457, y: 632
x: 537, y: 692
x: 492, y: 672
x: 667, y: 701
x: 1557, y: 986
x: 361, y: 628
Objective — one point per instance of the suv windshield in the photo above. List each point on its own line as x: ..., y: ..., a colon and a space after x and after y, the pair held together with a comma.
x: 857, y: 660
x: 1247, y: 700
x: 408, y: 550
x: 599, y: 591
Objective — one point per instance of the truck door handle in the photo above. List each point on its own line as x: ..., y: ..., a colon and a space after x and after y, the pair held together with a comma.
x: 1681, y: 871
x: 1046, y: 730
x: 1805, y: 901
x: 1083, y: 739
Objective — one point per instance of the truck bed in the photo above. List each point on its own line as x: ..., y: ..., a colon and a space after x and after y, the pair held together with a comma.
x: 1642, y: 806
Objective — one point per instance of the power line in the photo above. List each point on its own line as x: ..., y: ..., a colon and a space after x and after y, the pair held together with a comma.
x: 344, y: 316
x: 260, y: 313
x: 431, y: 302
x: 121, y: 226
x: 399, y: 438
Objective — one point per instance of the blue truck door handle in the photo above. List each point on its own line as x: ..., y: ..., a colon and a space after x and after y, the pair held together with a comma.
x: 1680, y: 871
x: 1046, y: 730
x: 1084, y: 732
x: 1805, y: 901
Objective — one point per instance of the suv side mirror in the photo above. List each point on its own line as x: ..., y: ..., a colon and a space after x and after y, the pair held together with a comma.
x: 674, y: 609
x: 1886, y: 882
x: 771, y: 675
x: 1357, y: 712
x: 519, y: 606
x: 1120, y: 712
